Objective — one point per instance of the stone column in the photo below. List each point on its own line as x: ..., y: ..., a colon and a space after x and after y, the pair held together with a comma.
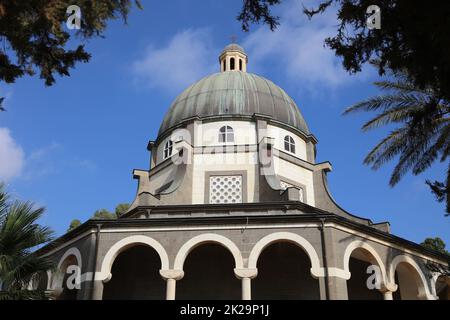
x: 387, y: 295
x: 246, y: 275
x: 337, y: 288
x: 171, y: 277
x: 387, y: 289
x: 246, y: 289
x: 171, y: 289
x: 322, y: 288
x: 97, y: 293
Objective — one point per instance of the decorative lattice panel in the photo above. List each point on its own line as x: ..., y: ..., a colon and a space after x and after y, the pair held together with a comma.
x: 225, y: 189
x: 285, y: 185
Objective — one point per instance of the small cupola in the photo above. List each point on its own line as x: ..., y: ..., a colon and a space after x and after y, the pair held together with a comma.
x: 233, y: 58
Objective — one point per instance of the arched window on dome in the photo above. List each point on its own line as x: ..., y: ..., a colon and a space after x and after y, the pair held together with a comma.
x: 224, y: 64
x: 168, y: 147
x: 289, y: 144
x: 226, y: 134
x: 240, y: 64
x: 232, y: 64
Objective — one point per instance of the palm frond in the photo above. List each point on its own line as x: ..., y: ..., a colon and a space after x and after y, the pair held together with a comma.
x: 393, y: 115
x: 3, y: 201
x: 21, y: 271
x: 20, y: 234
x: 447, y: 187
x: 386, y: 149
x: 406, y: 161
x: 423, y: 133
x: 385, y: 102
x: 20, y: 231
x: 24, y: 294
x: 430, y: 155
x: 401, y: 86
x: 441, y: 190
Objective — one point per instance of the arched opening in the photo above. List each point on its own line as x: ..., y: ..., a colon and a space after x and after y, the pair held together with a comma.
x: 69, y: 287
x: 240, y: 64
x: 284, y: 273
x: 168, y: 147
x: 410, y: 285
x: 209, y: 274
x: 135, y: 275
x: 232, y: 64
x: 443, y: 287
x: 39, y: 282
x: 289, y: 144
x: 42, y: 281
x: 364, y: 282
x: 226, y: 134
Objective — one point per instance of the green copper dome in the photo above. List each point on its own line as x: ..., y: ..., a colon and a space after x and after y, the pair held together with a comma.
x: 234, y: 93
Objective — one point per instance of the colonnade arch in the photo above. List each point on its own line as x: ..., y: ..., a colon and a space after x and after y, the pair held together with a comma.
x: 204, y: 239
x: 367, y: 271
x: 195, y: 252
x: 442, y: 286
x: 206, y: 259
x: 131, y: 269
x: 296, y: 239
x: 411, y: 282
x: 63, y: 290
x: 287, y: 267
x: 126, y: 243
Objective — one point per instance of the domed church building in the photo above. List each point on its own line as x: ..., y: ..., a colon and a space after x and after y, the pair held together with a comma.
x: 235, y: 206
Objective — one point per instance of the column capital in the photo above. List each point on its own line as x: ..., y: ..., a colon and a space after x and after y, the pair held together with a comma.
x: 107, y: 278
x: 388, y: 287
x: 245, y: 273
x: 172, y: 274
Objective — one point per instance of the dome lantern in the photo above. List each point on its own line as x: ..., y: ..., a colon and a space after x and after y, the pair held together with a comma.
x: 233, y: 58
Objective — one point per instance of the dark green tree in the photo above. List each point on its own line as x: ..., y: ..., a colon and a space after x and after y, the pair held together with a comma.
x: 103, y: 214
x: 436, y: 244
x: 413, y: 36
x: 74, y: 224
x: 412, y: 42
x: 256, y: 11
x: 20, y: 234
x: 35, y: 39
x: 422, y: 133
x: 121, y: 208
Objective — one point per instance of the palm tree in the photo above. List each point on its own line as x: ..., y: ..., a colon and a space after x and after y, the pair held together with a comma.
x: 422, y: 130
x: 19, y: 235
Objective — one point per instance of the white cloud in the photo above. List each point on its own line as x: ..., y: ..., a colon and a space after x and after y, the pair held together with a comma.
x: 187, y: 57
x: 52, y: 159
x: 297, y: 49
x: 11, y: 156
x: 40, y: 162
x: 85, y: 164
x: 44, y: 151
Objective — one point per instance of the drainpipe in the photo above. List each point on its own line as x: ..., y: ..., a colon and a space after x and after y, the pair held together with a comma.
x: 324, y: 255
x: 97, y: 236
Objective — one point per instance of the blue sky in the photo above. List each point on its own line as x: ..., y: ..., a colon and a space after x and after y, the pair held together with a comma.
x: 72, y: 147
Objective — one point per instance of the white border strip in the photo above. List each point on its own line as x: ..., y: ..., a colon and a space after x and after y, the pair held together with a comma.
x: 282, y: 226
x: 243, y: 227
